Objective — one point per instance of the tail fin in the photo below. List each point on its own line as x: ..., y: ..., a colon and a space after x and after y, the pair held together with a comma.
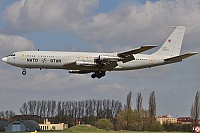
x: 172, y: 46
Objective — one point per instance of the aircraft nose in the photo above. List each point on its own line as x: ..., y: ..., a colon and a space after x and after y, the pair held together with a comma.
x: 5, y: 59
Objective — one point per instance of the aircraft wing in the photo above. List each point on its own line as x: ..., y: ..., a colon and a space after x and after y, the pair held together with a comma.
x: 180, y: 57
x: 135, y: 51
x: 128, y: 55
x: 110, y: 66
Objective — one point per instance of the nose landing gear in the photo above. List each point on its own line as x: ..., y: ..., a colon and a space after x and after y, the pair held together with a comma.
x: 24, y: 71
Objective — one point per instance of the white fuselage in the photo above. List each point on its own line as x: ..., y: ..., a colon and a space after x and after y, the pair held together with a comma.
x: 59, y: 60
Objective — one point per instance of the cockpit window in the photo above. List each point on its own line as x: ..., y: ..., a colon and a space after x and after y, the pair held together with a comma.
x: 12, y: 55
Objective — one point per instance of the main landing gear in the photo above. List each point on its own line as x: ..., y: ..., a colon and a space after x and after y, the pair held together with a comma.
x: 24, y: 71
x: 98, y: 74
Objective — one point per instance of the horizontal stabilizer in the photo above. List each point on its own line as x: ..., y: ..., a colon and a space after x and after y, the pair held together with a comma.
x: 135, y: 51
x: 180, y: 57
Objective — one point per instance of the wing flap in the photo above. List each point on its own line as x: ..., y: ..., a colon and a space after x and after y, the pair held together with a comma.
x: 180, y: 57
x: 110, y: 66
x: 128, y: 58
x: 135, y: 51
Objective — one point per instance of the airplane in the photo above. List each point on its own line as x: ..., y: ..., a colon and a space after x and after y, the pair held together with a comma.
x: 99, y: 63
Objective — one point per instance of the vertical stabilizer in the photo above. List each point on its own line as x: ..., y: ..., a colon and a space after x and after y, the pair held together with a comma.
x: 172, y: 46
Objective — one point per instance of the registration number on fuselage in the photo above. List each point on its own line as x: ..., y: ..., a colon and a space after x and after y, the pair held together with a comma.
x: 44, y: 60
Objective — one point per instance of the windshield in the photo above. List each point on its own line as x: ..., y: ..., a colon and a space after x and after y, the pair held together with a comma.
x: 12, y: 55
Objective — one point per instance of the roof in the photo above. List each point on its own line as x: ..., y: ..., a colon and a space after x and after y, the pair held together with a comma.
x: 184, y: 119
x: 3, y: 125
x: 32, y: 125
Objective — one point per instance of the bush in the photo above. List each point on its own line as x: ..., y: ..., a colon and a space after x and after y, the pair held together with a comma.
x: 154, y: 127
x: 104, y: 124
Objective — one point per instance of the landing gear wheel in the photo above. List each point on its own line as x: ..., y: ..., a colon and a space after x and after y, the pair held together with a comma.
x: 24, y: 72
x: 98, y: 74
x: 103, y: 74
x: 93, y: 76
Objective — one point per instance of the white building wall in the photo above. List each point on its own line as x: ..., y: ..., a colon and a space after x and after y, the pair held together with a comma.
x: 51, y: 126
x: 48, y: 126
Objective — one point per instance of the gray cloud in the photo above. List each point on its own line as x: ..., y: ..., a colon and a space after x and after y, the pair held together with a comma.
x: 31, y: 15
x: 135, y: 23
x: 128, y: 24
x: 10, y: 43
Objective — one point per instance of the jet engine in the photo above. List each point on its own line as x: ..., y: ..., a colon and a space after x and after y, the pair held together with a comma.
x: 109, y: 58
x: 83, y: 63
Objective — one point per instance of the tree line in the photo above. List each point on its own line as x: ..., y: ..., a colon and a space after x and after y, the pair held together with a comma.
x: 6, y: 115
x: 122, y: 117
x: 62, y: 110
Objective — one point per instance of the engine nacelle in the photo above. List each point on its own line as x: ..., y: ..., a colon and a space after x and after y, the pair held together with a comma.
x: 110, y: 58
x: 83, y: 63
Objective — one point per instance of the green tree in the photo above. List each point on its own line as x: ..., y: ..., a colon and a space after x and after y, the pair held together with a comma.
x: 132, y: 120
x: 90, y: 120
x: 186, y: 128
x: 104, y: 124
x: 121, y: 120
x: 154, y: 127
x: 171, y: 127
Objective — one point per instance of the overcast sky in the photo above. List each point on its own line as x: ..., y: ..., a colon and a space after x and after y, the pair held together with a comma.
x: 101, y: 26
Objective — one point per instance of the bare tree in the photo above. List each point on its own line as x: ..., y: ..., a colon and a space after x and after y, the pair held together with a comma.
x: 79, y: 110
x: 152, y: 106
x: 53, y: 108
x: 99, y: 103
x: 2, y: 114
x: 43, y: 108
x: 90, y: 109
x: 11, y: 114
x: 139, y: 102
x: 48, y: 108
x: 24, y: 109
x: 195, y: 110
x: 87, y: 107
x: 31, y: 105
x: 7, y: 115
x: 59, y: 108
x: 75, y: 110
x: 38, y: 107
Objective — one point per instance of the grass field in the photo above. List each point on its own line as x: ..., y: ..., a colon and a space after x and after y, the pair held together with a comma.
x: 89, y: 129
x: 99, y: 131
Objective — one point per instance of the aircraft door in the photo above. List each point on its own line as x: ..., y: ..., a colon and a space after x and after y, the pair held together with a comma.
x: 151, y: 61
x: 23, y: 56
